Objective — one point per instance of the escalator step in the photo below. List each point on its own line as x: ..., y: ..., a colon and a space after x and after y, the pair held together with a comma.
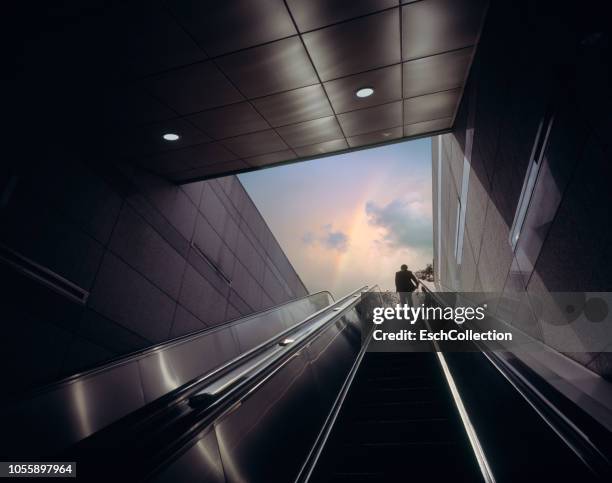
x: 396, y: 411
x: 397, y: 395
x: 397, y: 423
x: 405, y: 459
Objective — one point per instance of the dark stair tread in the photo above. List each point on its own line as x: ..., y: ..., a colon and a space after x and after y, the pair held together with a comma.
x: 398, y: 421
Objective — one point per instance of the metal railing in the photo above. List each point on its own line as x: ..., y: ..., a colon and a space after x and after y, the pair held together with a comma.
x: 195, y: 406
x: 580, y: 433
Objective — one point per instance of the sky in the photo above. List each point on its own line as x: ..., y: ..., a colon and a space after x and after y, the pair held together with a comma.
x: 350, y: 220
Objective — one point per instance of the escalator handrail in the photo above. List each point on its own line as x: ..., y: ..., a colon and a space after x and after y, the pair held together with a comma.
x: 243, y: 387
x: 131, y: 411
x: 188, y: 388
x: 539, y: 394
x: 317, y: 448
x: 168, y: 343
x: 144, y: 418
x: 340, y: 306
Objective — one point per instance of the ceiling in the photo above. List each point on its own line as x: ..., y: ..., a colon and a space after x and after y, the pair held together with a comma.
x: 248, y: 84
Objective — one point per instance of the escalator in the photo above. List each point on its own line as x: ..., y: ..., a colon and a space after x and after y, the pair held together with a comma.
x: 230, y: 389
x: 398, y: 418
x: 302, y: 401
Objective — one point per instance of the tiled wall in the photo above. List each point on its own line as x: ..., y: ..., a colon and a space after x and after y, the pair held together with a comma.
x: 566, y: 242
x: 136, y: 243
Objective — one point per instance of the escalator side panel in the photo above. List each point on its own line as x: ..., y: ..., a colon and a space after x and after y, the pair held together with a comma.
x: 201, y: 462
x: 164, y: 371
x: 275, y: 424
x: 525, y: 433
x: 257, y: 330
x: 267, y: 436
x: 62, y: 414
x: 332, y: 354
x: 58, y: 418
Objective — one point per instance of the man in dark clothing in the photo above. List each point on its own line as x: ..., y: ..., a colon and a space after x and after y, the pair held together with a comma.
x: 405, y: 284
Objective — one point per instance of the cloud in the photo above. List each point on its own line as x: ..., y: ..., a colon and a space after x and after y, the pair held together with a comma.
x: 327, y: 238
x: 336, y: 240
x: 404, y: 224
x: 309, y: 238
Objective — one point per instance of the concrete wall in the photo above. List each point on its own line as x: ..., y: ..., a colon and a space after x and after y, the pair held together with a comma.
x: 530, y: 61
x: 138, y: 245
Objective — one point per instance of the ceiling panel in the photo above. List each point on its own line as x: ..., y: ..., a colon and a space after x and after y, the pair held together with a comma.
x: 311, y: 132
x: 355, y: 46
x: 229, y: 121
x: 227, y: 26
x: 146, y: 40
x: 193, y: 88
x: 427, y: 126
x: 294, y: 106
x: 436, y: 73
x: 322, y: 148
x: 269, y: 69
x: 372, y: 119
x: 386, y: 82
x: 148, y: 139
x: 375, y: 137
x: 253, y: 144
x: 434, y: 26
x: 129, y: 106
x: 272, y: 158
x: 431, y: 106
x: 313, y: 14
x: 237, y: 82
x: 187, y: 158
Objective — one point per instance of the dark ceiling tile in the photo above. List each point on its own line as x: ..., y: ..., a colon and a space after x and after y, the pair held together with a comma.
x: 146, y: 40
x: 355, y: 46
x: 322, y: 148
x: 427, y: 127
x: 227, y: 26
x: 229, y: 121
x: 372, y: 119
x: 311, y: 132
x: 130, y: 105
x: 386, y: 82
x: 375, y: 137
x: 312, y: 14
x: 436, y: 73
x: 294, y: 106
x: 193, y: 88
x: 435, y: 26
x: 272, y: 158
x: 165, y: 163
x: 188, y: 158
x: 270, y: 68
x: 253, y: 144
x: 431, y: 106
x: 148, y: 139
x: 214, y: 170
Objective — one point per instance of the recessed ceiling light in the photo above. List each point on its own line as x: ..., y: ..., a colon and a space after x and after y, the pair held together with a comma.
x: 171, y: 136
x: 364, y: 92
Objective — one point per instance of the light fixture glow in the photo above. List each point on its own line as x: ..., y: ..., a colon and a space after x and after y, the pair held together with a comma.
x: 171, y: 136
x: 364, y: 92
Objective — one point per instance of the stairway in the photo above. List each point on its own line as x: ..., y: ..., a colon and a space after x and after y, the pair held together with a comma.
x: 398, y: 423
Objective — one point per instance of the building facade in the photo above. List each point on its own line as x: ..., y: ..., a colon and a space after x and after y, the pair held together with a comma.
x: 521, y: 185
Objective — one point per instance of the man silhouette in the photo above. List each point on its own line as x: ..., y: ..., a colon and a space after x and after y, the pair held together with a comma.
x: 405, y: 284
